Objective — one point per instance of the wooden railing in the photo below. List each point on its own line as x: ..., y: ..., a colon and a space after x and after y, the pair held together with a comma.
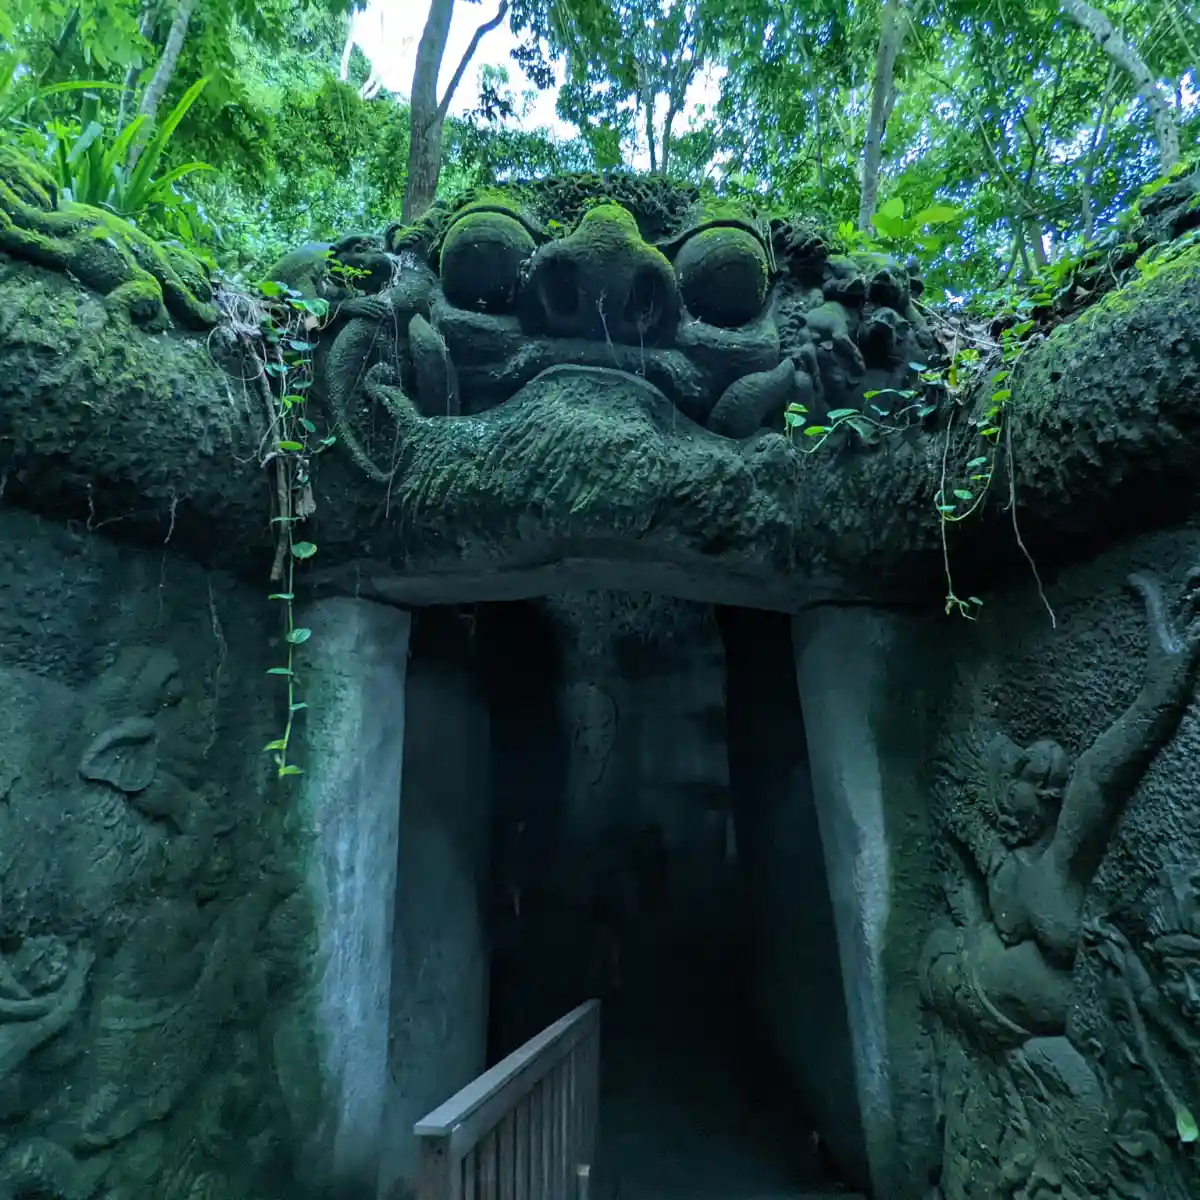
x: 524, y: 1130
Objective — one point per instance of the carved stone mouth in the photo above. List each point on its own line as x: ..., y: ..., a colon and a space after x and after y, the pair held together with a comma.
x: 669, y: 373
x: 581, y: 384
x: 494, y: 359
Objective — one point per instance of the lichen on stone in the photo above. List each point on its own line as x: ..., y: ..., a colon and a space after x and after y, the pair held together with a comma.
x: 604, y: 281
x: 481, y: 255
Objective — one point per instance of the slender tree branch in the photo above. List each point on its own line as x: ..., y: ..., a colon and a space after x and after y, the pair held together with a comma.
x: 444, y: 105
x: 1166, y: 127
x: 156, y: 89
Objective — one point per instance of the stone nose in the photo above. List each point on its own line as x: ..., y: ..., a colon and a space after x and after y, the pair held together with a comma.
x: 603, y: 282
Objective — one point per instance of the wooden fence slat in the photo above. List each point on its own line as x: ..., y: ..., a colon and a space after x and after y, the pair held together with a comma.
x: 507, y: 1157
x: 521, y: 1151
x: 487, y: 1180
x: 525, y: 1129
x: 470, y: 1175
x: 538, y: 1125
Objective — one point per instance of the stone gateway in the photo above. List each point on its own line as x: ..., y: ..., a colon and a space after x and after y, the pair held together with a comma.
x: 617, y: 529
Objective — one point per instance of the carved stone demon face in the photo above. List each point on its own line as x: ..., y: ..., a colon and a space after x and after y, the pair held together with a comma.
x: 730, y: 318
x: 1178, y: 957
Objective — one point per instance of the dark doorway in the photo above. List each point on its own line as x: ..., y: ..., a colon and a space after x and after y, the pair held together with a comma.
x: 651, y: 885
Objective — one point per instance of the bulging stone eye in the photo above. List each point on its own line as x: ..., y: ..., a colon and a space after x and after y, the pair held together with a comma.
x: 722, y: 275
x: 481, y: 259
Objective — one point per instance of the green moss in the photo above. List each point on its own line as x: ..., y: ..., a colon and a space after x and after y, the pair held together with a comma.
x: 871, y: 261
x: 1167, y: 267
x: 141, y: 299
x: 24, y: 182
x: 603, y: 280
x: 609, y: 230
x: 481, y: 257
x: 714, y: 208
x: 302, y: 269
x: 102, y: 251
x: 722, y: 272
x: 1150, y: 310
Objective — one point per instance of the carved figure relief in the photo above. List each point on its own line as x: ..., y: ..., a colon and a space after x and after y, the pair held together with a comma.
x: 104, y: 807
x: 1000, y: 973
x: 1152, y: 996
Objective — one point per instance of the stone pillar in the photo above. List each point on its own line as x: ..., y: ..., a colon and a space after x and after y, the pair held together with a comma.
x: 439, y: 1005
x: 331, y: 1046
x: 842, y: 670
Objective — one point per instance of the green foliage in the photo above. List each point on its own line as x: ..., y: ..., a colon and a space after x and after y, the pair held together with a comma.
x: 20, y: 92
x: 898, y: 231
x: 91, y: 169
x: 1185, y: 1125
x: 282, y: 343
x: 962, y: 489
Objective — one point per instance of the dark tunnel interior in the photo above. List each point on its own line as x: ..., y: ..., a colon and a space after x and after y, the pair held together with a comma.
x: 677, y: 876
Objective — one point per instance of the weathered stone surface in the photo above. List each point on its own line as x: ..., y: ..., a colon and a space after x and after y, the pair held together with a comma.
x: 596, y: 470
x: 801, y: 1002
x: 331, y: 1046
x: 585, y: 475
x: 146, y: 282
x: 148, y: 937
x: 438, y: 1010
x: 1007, y: 810
x: 1061, y: 956
x: 861, y: 787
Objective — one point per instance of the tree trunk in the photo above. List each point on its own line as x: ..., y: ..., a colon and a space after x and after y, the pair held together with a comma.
x: 1023, y: 250
x: 129, y: 87
x: 161, y: 80
x: 1092, y: 161
x: 814, y: 91
x: 1011, y: 265
x: 1037, y: 241
x: 651, y: 140
x: 424, y: 168
x: 883, y: 100
x: 1166, y: 127
x: 50, y: 73
x: 427, y: 112
x: 668, y: 136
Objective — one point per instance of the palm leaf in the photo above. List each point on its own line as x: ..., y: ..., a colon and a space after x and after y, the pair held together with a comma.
x: 140, y: 183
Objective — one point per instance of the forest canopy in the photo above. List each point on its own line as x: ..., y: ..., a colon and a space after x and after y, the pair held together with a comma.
x: 994, y: 138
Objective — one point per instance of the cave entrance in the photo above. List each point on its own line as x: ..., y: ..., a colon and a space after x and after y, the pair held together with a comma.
x: 608, y: 796
x: 654, y: 845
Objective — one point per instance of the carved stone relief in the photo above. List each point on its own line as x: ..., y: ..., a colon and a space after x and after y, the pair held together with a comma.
x: 144, y: 906
x: 1061, y: 1106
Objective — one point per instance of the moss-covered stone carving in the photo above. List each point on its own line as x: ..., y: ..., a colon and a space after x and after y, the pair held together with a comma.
x: 1003, y: 973
x: 146, y: 280
x: 1061, y: 963
x: 701, y: 301
x: 723, y: 275
x: 151, y: 921
x: 500, y: 366
x: 481, y: 256
x: 579, y: 382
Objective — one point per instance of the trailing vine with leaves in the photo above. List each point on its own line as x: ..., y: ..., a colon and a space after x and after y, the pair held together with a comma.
x: 275, y: 325
x: 958, y: 496
x: 287, y: 321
